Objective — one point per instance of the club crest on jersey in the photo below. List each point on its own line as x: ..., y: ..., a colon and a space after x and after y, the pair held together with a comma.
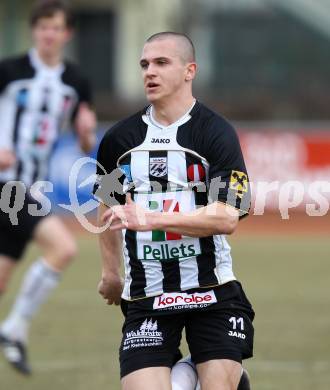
x: 239, y: 182
x: 158, y: 166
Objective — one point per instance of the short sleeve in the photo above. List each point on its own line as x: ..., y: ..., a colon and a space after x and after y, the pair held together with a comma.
x: 108, y: 187
x: 85, y: 91
x: 73, y: 77
x: 229, y: 182
x: 84, y: 95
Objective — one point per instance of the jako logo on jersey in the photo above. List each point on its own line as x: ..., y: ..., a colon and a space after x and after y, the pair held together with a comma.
x: 158, y: 166
x: 184, y: 300
x: 160, y: 140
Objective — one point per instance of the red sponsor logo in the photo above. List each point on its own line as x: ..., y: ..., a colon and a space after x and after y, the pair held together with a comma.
x: 183, y: 299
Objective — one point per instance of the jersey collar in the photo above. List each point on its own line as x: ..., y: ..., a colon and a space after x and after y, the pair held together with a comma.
x: 37, y: 63
x: 149, y: 118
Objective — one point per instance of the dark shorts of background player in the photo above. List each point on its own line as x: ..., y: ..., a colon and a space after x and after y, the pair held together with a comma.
x: 14, y: 238
x: 213, y: 332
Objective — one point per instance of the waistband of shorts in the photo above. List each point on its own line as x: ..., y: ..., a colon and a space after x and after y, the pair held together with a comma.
x: 224, y: 292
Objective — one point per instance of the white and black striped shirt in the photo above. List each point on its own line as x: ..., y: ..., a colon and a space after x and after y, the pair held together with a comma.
x: 171, y: 169
x: 36, y: 102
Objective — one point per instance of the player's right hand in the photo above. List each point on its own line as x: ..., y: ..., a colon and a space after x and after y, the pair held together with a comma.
x: 110, y: 288
x: 7, y: 159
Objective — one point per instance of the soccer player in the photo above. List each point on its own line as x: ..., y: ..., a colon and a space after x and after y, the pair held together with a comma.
x: 172, y: 183
x: 39, y: 94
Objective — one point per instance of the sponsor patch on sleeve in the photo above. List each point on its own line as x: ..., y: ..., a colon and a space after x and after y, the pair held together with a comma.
x: 239, y: 182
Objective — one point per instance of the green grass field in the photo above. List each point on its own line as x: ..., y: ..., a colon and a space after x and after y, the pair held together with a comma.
x: 74, y: 340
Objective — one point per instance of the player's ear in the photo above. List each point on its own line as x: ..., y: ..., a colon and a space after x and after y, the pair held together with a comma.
x: 191, y: 71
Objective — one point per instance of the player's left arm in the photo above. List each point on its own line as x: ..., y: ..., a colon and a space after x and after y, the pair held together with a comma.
x: 216, y: 218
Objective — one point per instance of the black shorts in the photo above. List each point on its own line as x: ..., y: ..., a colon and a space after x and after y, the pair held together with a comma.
x: 15, y: 237
x: 217, y: 321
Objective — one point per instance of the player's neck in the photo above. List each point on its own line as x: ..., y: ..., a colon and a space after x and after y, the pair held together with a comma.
x: 51, y: 60
x: 169, y: 112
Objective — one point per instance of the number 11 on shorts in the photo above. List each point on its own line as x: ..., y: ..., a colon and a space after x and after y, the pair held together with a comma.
x: 237, y: 321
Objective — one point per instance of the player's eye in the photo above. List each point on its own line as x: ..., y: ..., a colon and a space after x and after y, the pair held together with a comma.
x: 144, y: 65
x: 161, y: 62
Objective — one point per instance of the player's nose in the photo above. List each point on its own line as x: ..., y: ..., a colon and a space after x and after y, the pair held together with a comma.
x: 150, y: 71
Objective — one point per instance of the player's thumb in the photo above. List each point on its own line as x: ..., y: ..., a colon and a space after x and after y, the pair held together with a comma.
x: 106, y: 216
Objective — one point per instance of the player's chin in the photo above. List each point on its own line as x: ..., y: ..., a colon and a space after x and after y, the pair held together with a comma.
x: 52, y: 47
x: 152, y: 96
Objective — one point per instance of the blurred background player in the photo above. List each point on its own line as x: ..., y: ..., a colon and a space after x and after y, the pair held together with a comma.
x: 40, y: 92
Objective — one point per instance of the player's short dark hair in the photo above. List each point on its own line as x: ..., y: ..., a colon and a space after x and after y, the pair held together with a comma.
x: 169, y: 34
x: 48, y: 8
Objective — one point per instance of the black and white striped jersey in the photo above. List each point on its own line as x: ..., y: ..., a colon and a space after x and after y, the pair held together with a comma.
x: 36, y: 102
x: 191, y: 163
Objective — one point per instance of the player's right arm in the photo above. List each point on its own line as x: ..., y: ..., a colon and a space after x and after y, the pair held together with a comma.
x: 111, y: 284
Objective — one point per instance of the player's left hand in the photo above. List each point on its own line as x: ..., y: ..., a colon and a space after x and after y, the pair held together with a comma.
x: 85, y: 121
x: 85, y: 124
x: 130, y: 216
x: 7, y: 159
x: 110, y: 288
